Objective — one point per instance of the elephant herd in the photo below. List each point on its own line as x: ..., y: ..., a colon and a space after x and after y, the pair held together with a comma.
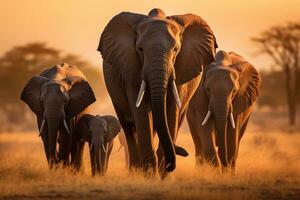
x: 157, y: 70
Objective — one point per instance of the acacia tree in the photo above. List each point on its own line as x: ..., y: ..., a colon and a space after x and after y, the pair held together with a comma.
x: 282, y: 44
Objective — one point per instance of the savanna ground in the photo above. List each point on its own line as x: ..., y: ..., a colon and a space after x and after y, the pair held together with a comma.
x: 268, y: 168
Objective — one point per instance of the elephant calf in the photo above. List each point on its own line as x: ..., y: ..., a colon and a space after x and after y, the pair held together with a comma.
x: 223, y: 104
x: 99, y: 132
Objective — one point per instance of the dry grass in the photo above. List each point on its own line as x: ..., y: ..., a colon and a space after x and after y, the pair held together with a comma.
x: 268, y: 167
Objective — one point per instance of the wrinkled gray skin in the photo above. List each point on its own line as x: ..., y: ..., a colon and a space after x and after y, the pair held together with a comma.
x: 99, y: 132
x: 58, y: 94
x: 230, y: 85
x: 158, y: 50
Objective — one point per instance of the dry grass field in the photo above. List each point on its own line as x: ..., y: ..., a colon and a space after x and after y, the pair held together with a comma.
x: 268, y: 168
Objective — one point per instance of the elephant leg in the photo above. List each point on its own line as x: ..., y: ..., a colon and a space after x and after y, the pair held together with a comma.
x: 240, y: 135
x: 64, y: 147
x: 232, y: 144
x: 76, y: 142
x: 145, y: 140
x: 119, y: 96
x: 195, y: 128
x: 93, y: 162
x: 110, y: 147
x: 75, y: 150
x: 77, y: 157
x: 203, y: 136
x: 208, y: 146
x: 129, y: 130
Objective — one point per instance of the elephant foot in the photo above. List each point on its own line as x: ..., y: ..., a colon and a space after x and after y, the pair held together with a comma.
x: 149, y: 167
x: 163, y: 173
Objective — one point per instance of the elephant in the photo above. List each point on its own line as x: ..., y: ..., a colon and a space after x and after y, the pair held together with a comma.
x: 57, y: 96
x: 99, y: 132
x: 227, y: 93
x: 152, y: 66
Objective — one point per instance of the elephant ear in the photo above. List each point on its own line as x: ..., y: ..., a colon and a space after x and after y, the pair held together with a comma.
x: 250, y: 83
x: 81, y: 96
x: 113, y: 127
x: 32, y: 92
x: 197, y: 49
x: 117, y: 42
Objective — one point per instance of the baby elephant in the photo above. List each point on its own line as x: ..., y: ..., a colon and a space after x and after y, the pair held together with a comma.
x: 99, y: 132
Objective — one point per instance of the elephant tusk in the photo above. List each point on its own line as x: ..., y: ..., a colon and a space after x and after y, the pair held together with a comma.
x: 232, y: 120
x: 206, y: 117
x: 141, y: 94
x: 176, y: 96
x: 91, y: 146
x: 66, y: 126
x: 103, y: 147
x: 42, y: 127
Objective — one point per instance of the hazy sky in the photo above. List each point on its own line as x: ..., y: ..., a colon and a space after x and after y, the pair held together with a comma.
x: 75, y: 25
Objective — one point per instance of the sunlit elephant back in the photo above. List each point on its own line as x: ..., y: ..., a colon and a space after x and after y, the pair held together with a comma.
x: 56, y: 96
x: 152, y: 66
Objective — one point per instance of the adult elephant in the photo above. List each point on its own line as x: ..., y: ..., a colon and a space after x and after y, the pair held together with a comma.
x: 151, y: 63
x: 57, y: 96
x: 223, y: 103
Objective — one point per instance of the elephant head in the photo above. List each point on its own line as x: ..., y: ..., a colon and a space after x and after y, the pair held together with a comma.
x: 99, y: 131
x: 161, y: 52
x: 231, y: 86
x: 55, y: 102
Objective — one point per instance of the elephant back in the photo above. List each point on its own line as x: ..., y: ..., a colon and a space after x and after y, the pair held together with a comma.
x: 65, y: 72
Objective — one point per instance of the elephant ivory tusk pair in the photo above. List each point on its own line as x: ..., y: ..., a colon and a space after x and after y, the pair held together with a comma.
x: 141, y: 94
x: 42, y: 126
x: 206, y: 117
x: 209, y: 113
x: 176, y: 96
x: 66, y: 126
x: 232, y: 120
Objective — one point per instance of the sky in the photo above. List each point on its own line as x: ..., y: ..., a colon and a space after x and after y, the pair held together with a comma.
x: 74, y: 26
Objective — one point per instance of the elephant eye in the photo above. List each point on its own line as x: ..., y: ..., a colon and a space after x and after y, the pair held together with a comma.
x: 140, y: 49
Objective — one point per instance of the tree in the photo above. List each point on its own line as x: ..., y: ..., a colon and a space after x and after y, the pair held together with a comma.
x: 20, y: 63
x: 282, y: 44
x: 272, y: 81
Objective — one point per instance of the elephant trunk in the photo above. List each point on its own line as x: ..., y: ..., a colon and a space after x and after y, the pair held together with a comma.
x: 53, y: 127
x: 96, y: 148
x: 221, y: 128
x: 98, y: 158
x: 221, y: 119
x: 158, y: 87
